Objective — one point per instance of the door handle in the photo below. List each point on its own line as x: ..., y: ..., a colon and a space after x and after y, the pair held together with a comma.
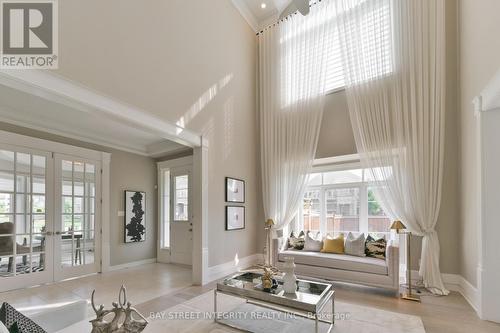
x: 58, y: 233
x: 48, y: 233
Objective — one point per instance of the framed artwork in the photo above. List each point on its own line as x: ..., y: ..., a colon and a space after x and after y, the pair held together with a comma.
x: 235, y: 217
x: 235, y: 190
x: 135, y: 216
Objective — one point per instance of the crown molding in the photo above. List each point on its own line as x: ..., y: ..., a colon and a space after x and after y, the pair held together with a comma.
x: 246, y: 13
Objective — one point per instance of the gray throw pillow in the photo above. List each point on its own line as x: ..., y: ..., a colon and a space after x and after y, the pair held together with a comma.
x: 355, y: 246
x: 313, y: 244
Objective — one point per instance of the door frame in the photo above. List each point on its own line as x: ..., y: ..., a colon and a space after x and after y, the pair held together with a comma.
x: 164, y: 253
x: 52, y: 147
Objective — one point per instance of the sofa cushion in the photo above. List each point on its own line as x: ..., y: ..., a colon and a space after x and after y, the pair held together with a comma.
x: 296, y: 243
x: 375, y: 247
x: 335, y: 245
x: 313, y: 244
x: 11, y: 317
x: 355, y: 246
x: 337, y: 261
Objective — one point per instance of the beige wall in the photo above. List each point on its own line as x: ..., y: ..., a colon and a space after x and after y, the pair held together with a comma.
x: 336, y: 138
x: 479, y: 61
x: 128, y: 172
x: 191, y: 62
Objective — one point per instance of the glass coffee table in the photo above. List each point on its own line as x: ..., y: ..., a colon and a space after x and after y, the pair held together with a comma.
x: 309, y: 300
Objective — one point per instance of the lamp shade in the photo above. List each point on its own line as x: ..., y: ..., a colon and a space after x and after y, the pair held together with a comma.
x: 269, y: 222
x: 398, y: 225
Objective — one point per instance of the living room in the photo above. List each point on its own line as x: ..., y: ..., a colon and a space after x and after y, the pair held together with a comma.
x: 243, y: 165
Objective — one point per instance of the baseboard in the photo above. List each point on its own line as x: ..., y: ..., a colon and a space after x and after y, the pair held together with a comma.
x: 453, y: 282
x: 458, y: 283
x: 219, y: 271
x: 132, y: 264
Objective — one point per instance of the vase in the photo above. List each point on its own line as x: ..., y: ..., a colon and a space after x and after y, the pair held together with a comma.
x: 289, y: 279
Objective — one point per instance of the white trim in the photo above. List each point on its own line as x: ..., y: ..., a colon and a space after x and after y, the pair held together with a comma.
x: 63, y: 91
x: 50, y: 146
x: 200, y: 213
x: 5, y: 116
x: 105, y: 212
x: 336, y: 160
x: 246, y: 13
x: 490, y: 95
x: 132, y: 264
x: 233, y: 266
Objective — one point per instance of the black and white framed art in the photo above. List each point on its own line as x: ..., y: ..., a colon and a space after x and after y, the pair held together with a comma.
x: 235, y: 217
x: 235, y: 190
x: 135, y: 216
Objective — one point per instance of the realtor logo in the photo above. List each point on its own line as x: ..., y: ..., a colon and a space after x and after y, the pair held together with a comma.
x: 29, y: 34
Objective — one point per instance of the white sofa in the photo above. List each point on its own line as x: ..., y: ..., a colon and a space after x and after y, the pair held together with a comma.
x: 344, y: 268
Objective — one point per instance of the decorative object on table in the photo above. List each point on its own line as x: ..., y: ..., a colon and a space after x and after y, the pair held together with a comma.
x: 289, y: 279
x: 13, y: 319
x: 267, y: 278
x: 235, y: 217
x: 235, y: 190
x: 400, y: 229
x: 268, y: 226
x: 135, y: 216
x: 122, y: 320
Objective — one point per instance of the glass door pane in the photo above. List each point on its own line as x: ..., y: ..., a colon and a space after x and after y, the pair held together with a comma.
x: 181, y: 198
x: 77, y: 213
x: 23, y: 213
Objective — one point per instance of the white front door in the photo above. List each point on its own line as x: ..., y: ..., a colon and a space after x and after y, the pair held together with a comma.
x: 77, y: 222
x: 26, y: 217
x: 181, y: 226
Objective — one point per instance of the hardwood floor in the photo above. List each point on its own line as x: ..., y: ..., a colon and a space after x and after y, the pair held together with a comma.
x: 157, y: 287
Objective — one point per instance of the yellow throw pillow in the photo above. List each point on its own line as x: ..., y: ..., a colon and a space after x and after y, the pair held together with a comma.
x: 335, y: 245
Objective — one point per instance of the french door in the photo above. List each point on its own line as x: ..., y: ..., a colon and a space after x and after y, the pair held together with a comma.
x: 49, y: 217
x: 26, y: 215
x: 77, y: 227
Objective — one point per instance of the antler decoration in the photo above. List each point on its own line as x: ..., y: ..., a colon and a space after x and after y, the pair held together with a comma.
x: 123, y: 321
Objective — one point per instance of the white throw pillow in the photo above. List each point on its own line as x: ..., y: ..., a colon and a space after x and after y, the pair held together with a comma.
x: 355, y: 246
x: 313, y: 244
x: 3, y: 329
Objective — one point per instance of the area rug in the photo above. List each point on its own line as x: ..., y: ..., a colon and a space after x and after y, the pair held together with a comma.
x: 196, y: 315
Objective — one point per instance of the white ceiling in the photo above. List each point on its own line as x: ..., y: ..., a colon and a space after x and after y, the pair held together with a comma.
x: 37, y: 111
x: 258, y: 17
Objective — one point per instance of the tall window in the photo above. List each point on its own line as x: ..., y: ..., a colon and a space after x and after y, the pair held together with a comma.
x: 340, y: 202
x: 374, y: 27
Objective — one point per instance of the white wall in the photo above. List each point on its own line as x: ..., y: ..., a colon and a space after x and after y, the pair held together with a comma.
x: 190, y: 62
x: 479, y: 61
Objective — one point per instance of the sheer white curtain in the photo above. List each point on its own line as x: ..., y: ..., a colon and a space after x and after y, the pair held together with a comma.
x: 292, y: 61
x: 394, y: 74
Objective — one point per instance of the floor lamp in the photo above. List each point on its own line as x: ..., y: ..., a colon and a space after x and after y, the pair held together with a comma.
x: 269, y: 226
x: 401, y: 229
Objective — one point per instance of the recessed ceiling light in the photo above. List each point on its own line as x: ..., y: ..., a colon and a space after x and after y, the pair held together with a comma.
x: 263, y: 5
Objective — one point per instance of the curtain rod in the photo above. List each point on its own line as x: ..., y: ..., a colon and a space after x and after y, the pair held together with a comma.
x: 286, y: 18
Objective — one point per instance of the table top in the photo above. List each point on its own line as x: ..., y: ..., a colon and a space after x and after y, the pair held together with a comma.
x: 311, y: 296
